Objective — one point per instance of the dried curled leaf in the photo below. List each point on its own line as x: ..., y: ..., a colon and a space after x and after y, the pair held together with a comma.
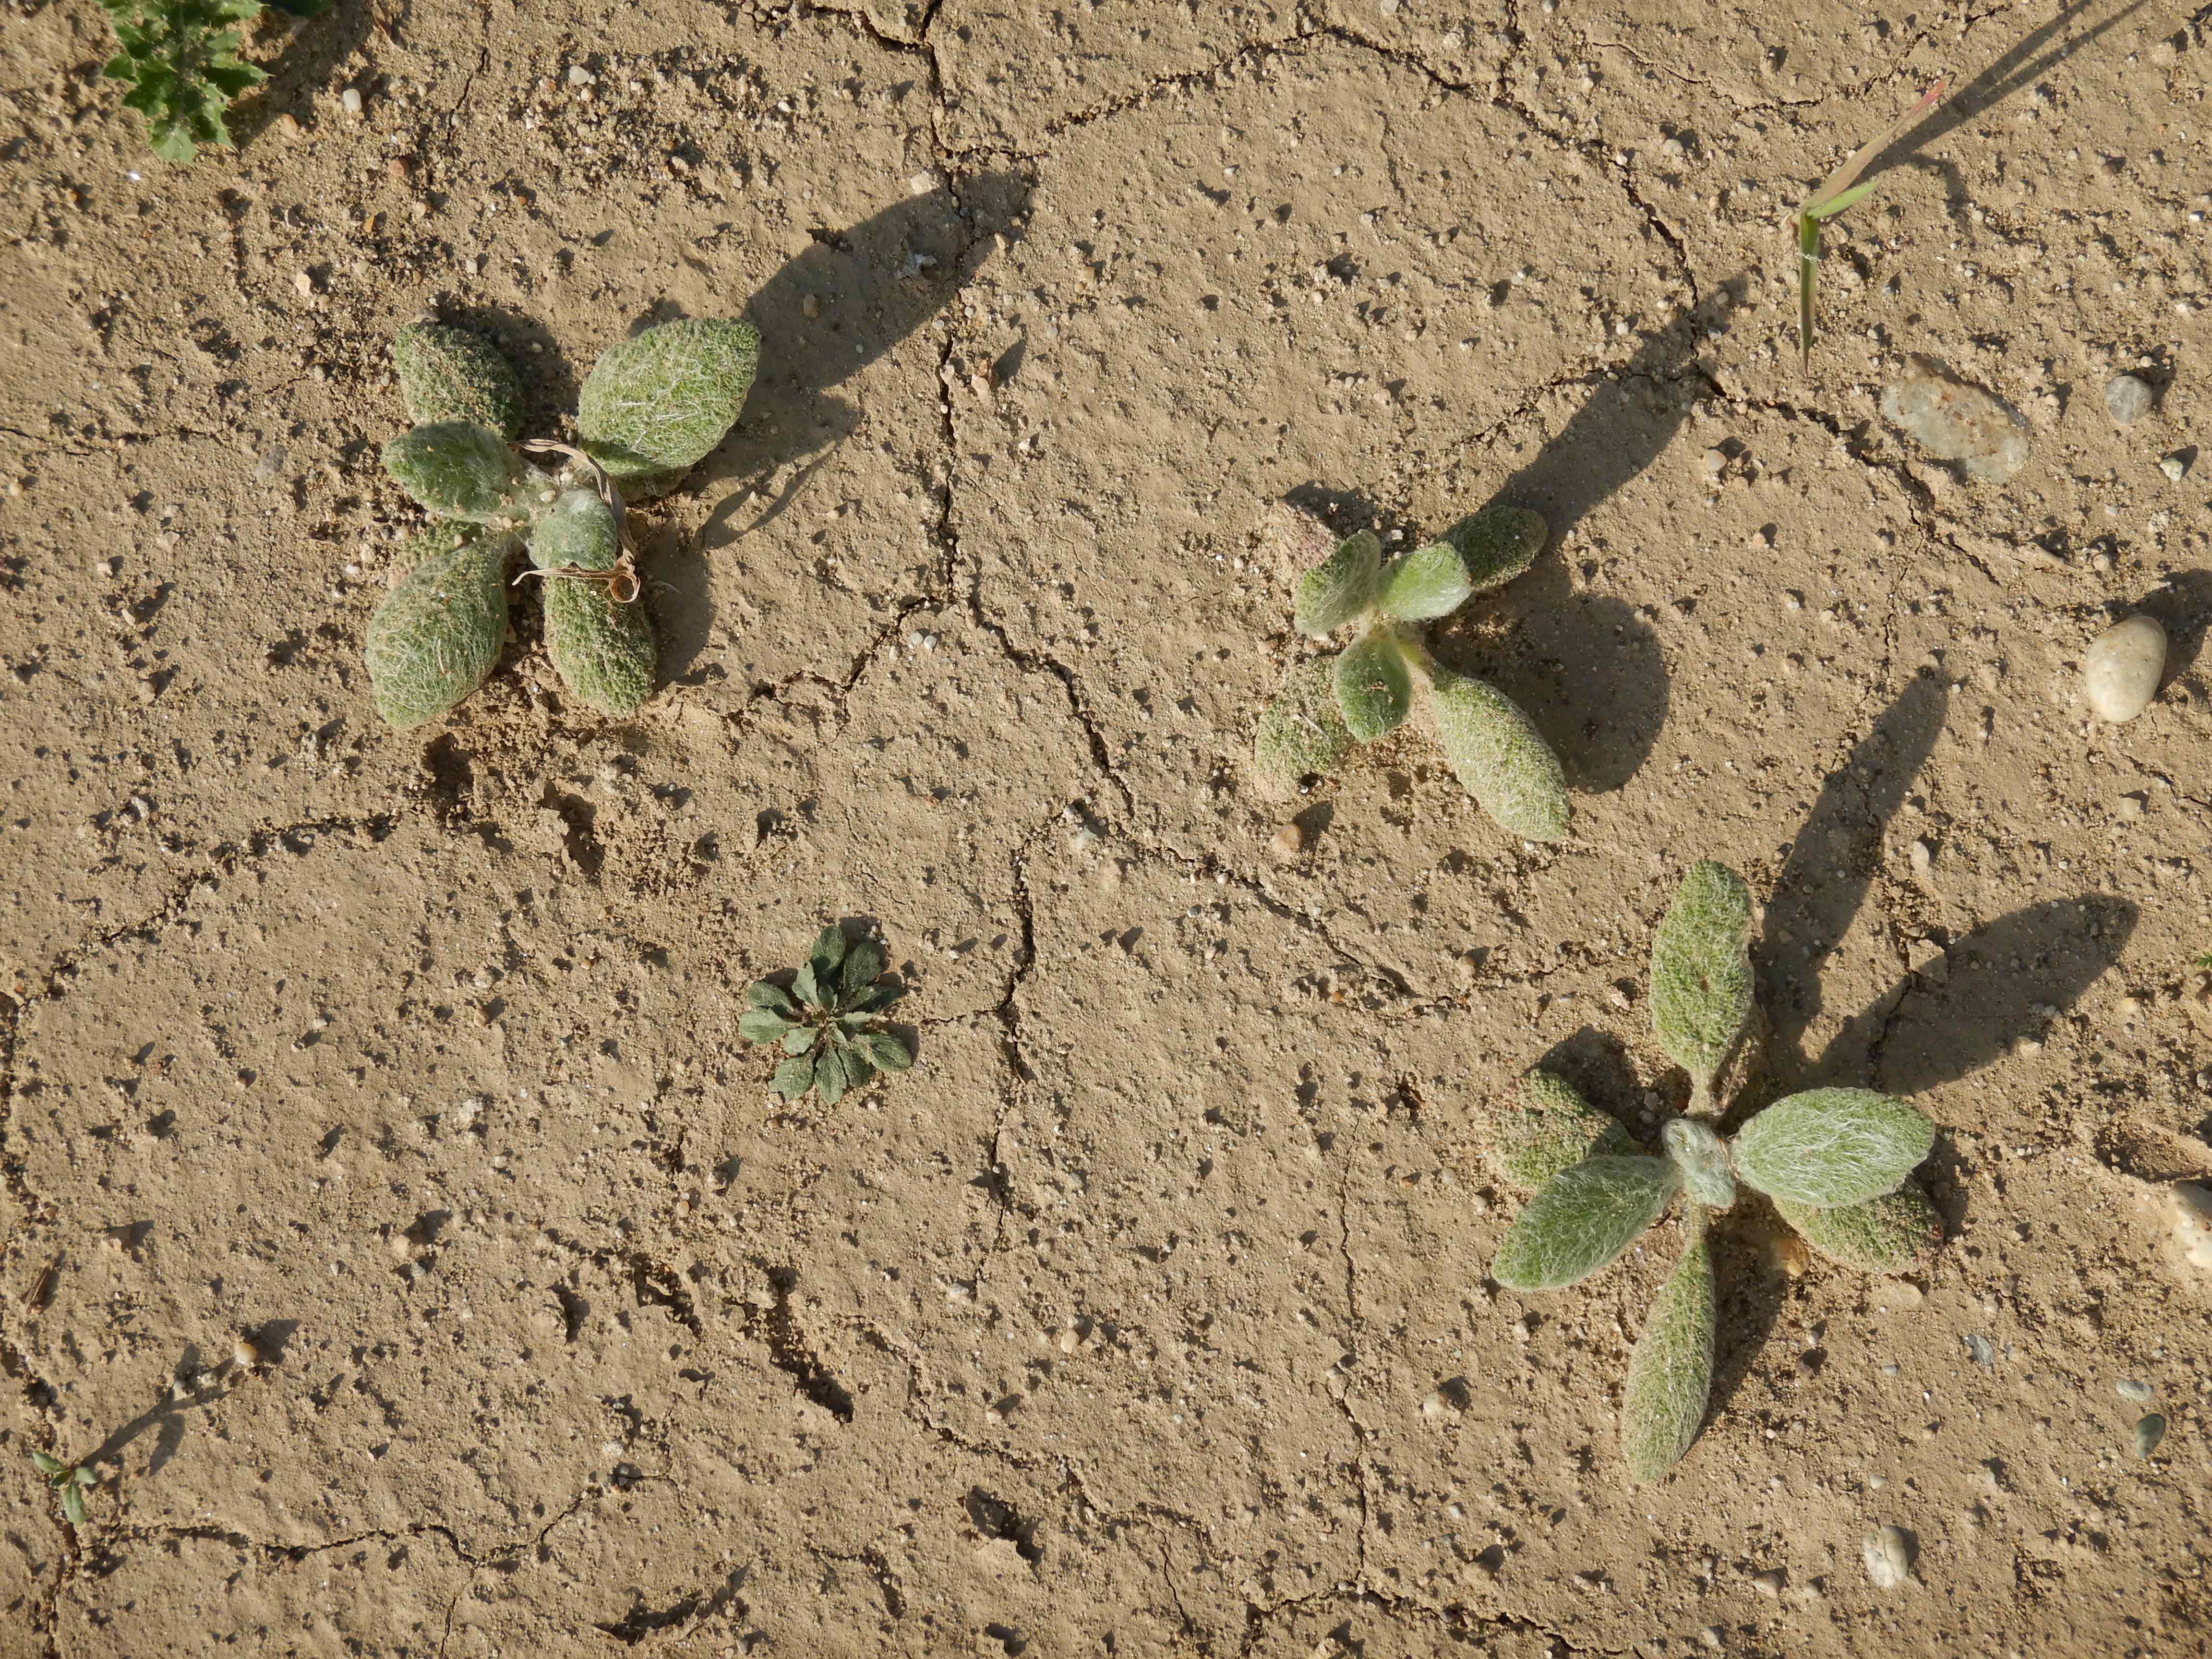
x: 1424, y: 583
x: 656, y: 403
x: 1500, y: 758
x: 602, y: 650
x: 1582, y: 1220
x: 1497, y: 544
x: 1701, y: 981
x: 458, y: 471
x: 577, y: 528
x: 1955, y: 420
x: 1548, y: 1126
x: 1671, y: 1372
x: 1303, y: 730
x: 1341, y: 586
x: 1832, y: 1147
x: 1374, y: 686
x: 449, y: 374
x: 1892, y: 1234
x: 1702, y: 1158
x: 435, y: 637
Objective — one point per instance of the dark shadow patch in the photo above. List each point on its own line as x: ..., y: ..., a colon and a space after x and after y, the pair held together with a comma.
x: 2182, y: 605
x: 1830, y: 864
x: 1598, y: 1066
x: 305, y: 64
x: 549, y: 380
x: 1748, y: 1294
x: 994, y: 1518
x: 2042, y: 957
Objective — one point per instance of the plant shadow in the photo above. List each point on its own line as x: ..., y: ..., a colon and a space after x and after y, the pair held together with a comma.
x: 314, y: 49
x: 828, y: 313
x: 2182, y: 605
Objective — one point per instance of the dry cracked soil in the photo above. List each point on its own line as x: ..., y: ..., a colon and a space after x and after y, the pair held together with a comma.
x: 1148, y: 1314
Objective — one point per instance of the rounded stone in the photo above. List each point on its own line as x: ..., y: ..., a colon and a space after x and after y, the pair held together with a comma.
x: 2128, y: 398
x: 2121, y: 669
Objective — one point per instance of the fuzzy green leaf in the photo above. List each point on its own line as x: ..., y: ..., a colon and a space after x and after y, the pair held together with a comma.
x: 1701, y: 970
x: 1497, y: 544
x: 767, y: 993
x: 831, y: 1078
x: 458, y: 471
x: 657, y: 403
x: 1892, y: 1234
x: 73, y: 1503
x: 1341, y: 587
x: 436, y: 636
x: 1671, y: 1371
x: 824, y: 955
x: 877, y: 997
x: 863, y: 967
x: 1374, y: 686
x: 763, y: 1025
x: 576, y: 528
x: 1424, y: 583
x: 1700, y: 1155
x: 602, y: 649
x: 1832, y: 1147
x: 804, y: 987
x: 793, y: 1077
x: 1582, y: 1220
x: 886, y: 1052
x: 1500, y: 758
x: 49, y: 1466
x: 798, y: 1039
x: 1303, y: 730
x: 452, y: 375
x: 1548, y: 1126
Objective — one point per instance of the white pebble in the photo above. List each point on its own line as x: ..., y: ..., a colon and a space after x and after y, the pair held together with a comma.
x: 2127, y: 399
x: 2192, y: 1223
x: 2134, y: 1391
x: 350, y: 98
x: 2175, y: 467
x: 1888, y: 1555
x: 2121, y: 668
x: 579, y: 75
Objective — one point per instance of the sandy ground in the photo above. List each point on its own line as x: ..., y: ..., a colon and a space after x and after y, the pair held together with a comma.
x: 1148, y: 1314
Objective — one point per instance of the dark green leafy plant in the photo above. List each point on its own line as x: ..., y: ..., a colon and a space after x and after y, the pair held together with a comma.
x: 652, y: 406
x: 71, y: 1480
x: 1384, y: 675
x: 1835, y: 1162
x: 827, y: 1021
x: 181, y: 59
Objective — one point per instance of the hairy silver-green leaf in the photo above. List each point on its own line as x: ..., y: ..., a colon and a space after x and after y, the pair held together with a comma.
x: 657, y: 402
x: 1892, y: 1234
x: 863, y: 966
x: 793, y: 1077
x: 1374, y: 686
x: 825, y: 955
x: 1698, y: 1153
x: 1498, y: 543
x: 1587, y: 1215
x: 1424, y: 583
x: 1341, y: 586
x: 435, y: 637
x: 458, y: 471
x: 1547, y: 1126
x: 887, y: 1051
x: 602, y: 650
x: 763, y: 1025
x: 1701, y: 971
x: 798, y: 1039
x: 1303, y: 730
x: 1671, y: 1371
x: 452, y: 375
x: 767, y: 993
x: 1830, y: 1147
x: 830, y: 1077
x: 1500, y: 758
x: 576, y: 528
x: 73, y: 1503
x: 48, y: 1464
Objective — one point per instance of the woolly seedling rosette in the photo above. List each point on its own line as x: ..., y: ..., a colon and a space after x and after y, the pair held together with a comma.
x: 652, y: 408
x: 1382, y: 676
x: 828, y: 1022
x: 1835, y: 1163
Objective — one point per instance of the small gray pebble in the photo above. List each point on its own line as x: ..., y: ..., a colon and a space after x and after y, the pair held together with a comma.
x: 2128, y: 397
x: 2149, y: 1431
x: 2175, y: 467
x: 2135, y: 1393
